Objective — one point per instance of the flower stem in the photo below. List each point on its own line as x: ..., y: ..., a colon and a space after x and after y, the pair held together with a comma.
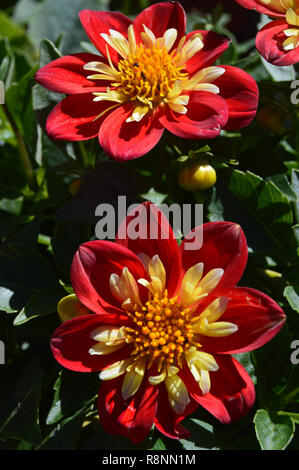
x: 22, y: 148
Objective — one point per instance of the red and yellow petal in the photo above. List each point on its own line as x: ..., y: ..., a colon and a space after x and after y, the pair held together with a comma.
x: 232, y: 392
x: 258, y: 318
x: 262, y: 8
x: 214, y: 45
x: 67, y: 75
x: 241, y: 95
x: 156, y: 238
x: 269, y: 44
x: 132, y: 418
x: 92, y: 267
x: 129, y: 140
x: 71, y: 342
x: 160, y: 17
x: 167, y: 421
x: 207, y: 114
x: 224, y: 246
x: 97, y: 22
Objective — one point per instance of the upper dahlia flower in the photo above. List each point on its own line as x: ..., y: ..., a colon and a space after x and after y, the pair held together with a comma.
x: 278, y: 40
x: 164, y: 325
x: 150, y: 76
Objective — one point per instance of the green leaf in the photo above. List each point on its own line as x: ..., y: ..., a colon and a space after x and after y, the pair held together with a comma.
x: 282, y: 183
x: 41, y: 303
x: 202, y: 436
x: 49, y: 19
x: 19, y: 417
x: 9, y: 29
x: 65, y: 435
x: 65, y: 401
x: 292, y: 295
x: 273, y: 431
x: 268, y: 204
x: 23, y: 271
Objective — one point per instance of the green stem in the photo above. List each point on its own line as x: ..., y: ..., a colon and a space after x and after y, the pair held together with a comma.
x: 289, y: 397
x: 22, y: 148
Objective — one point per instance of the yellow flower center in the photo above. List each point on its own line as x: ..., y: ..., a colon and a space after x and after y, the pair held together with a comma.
x: 149, y: 74
x: 165, y: 331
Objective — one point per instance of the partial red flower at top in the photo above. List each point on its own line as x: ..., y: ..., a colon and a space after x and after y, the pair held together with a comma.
x: 149, y: 77
x: 165, y: 323
x: 278, y: 40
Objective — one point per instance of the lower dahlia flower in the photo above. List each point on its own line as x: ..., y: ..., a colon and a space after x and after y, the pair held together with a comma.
x: 278, y: 40
x: 149, y: 77
x: 164, y: 325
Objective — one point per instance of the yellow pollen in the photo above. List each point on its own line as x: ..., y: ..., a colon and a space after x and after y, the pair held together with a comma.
x: 149, y: 74
x: 163, y: 333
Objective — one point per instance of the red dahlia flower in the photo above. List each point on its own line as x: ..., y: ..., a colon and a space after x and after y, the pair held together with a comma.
x: 278, y: 40
x: 150, y: 77
x: 166, y: 321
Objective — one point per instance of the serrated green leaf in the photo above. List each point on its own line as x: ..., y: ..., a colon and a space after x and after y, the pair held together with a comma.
x: 273, y: 431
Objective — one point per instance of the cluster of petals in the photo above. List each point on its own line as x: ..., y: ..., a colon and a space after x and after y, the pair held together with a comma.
x: 160, y: 322
x: 149, y: 76
x: 278, y: 40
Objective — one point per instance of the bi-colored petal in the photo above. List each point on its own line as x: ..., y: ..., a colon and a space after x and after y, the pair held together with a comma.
x: 159, y: 18
x: 257, y: 317
x: 76, y: 118
x: 214, y: 45
x: 269, y: 44
x: 67, y: 75
x: 152, y: 236
x: 91, y: 270
x: 241, y: 95
x: 167, y: 421
x: 270, y: 8
x: 72, y: 341
x: 124, y: 140
x: 232, y: 392
x: 132, y: 418
x: 97, y: 22
x: 224, y: 246
x: 207, y: 114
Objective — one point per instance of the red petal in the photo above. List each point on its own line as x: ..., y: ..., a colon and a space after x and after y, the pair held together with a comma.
x: 156, y: 238
x: 97, y: 22
x: 128, y: 140
x: 257, y: 316
x: 132, y: 418
x: 207, y: 114
x: 232, y: 392
x: 67, y: 75
x: 92, y: 267
x: 71, y: 342
x: 74, y: 118
x: 214, y: 45
x: 269, y: 44
x: 255, y: 5
x: 241, y: 94
x: 160, y: 17
x: 167, y: 421
x: 224, y: 246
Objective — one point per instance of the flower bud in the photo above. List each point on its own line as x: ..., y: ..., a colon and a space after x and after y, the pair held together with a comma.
x: 197, y: 176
